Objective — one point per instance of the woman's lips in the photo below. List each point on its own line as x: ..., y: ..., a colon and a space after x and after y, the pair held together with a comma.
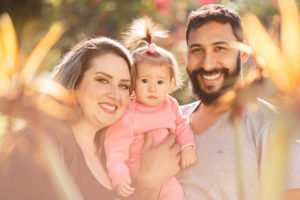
x: 108, y: 107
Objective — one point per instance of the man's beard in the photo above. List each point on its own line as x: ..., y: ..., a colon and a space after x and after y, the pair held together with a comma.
x: 228, y: 82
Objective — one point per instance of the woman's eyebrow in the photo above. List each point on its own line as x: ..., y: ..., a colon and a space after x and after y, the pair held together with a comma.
x: 105, y: 74
x: 111, y: 77
x: 125, y: 80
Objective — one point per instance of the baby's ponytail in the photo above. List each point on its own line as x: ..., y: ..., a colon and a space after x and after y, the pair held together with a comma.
x: 143, y: 30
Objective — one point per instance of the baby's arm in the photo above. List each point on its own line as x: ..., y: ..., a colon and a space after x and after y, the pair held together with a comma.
x: 188, y: 157
x: 123, y: 189
x: 118, y: 139
x: 185, y: 138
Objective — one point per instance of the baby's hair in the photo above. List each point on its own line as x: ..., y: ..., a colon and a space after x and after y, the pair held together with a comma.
x: 144, y: 31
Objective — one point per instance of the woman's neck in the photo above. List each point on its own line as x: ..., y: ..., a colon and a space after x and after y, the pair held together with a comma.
x: 84, y: 133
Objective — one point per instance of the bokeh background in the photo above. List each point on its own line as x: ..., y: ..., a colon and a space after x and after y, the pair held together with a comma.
x: 272, y: 30
x: 89, y: 18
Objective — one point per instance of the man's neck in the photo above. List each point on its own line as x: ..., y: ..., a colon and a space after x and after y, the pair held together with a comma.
x: 206, y: 115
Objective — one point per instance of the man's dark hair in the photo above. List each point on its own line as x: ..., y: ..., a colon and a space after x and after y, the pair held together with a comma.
x: 218, y: 13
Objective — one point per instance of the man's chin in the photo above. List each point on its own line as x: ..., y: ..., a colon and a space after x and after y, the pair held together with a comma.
x: 208, y: 96
x: 208, y: 99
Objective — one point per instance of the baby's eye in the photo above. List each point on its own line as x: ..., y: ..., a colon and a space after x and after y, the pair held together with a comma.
x: 160, y: 82
x: 145, y: 80
x: 102, y: 80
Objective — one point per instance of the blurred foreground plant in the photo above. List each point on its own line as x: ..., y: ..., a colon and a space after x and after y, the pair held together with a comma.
x: 19, y: 92
x: 281, y: 64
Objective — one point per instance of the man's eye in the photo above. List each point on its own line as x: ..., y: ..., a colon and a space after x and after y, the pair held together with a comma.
x: 102, y: 80
x: 196, y: 50
x: 160, y: 82
x: 221, y: 48
x: 145, y: 80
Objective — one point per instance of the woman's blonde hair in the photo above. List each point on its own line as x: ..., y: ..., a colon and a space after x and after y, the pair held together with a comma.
x: 140, y: 35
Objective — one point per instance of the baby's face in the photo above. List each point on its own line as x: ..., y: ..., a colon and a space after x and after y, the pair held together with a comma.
x: 152, y: 84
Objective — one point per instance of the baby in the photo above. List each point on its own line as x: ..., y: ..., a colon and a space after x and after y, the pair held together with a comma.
x: 150, y: 110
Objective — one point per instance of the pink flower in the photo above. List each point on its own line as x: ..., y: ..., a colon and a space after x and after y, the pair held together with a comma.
x: 163, y: 6
x: 275, y: 3
x: 205, y: 1
x: 162, y: 3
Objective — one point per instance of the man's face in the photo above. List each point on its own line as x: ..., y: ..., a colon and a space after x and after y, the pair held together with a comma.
x: 213, y: 65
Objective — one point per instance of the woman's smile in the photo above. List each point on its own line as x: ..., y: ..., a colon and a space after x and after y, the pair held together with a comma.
x: 108, y: 107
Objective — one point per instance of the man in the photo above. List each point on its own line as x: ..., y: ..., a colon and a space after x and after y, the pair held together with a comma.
x: 226, y: 169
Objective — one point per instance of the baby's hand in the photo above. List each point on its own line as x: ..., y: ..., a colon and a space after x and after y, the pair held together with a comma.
x: 123, y: 189
x: 188, y: 157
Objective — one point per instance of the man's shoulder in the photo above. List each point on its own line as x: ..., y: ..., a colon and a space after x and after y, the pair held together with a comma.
x: 259, y: 114
x: 187, y: 109
x: 261, y: 109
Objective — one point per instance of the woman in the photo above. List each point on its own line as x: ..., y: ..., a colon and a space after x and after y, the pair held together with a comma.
x: 98, y: 73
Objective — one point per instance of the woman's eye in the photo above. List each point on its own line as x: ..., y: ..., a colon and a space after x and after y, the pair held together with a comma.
x: 160, y: 82
x: 125, y: 86
x: 102, y: 80
x: 145, y: 80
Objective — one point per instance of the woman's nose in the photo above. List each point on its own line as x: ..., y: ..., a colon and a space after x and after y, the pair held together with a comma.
x: 114, y: 92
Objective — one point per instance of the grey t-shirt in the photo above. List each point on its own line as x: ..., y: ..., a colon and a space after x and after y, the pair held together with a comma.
x: 225, y: 173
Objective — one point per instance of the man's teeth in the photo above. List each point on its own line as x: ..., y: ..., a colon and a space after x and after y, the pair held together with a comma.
x: 112, y: 108
x: 211, y: 77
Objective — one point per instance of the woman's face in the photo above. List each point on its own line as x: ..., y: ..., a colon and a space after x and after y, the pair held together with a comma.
x: 103, y: 92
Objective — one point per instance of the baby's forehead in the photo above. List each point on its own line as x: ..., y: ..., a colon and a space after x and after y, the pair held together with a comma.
x: 162, y: 72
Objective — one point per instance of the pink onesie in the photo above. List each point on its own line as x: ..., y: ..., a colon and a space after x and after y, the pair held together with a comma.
x: 124, y: 141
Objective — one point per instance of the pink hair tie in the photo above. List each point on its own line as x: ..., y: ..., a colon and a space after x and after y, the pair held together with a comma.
x: 151, y: 48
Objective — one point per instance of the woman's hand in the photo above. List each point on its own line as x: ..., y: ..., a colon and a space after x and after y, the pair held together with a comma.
x: 158, y: 165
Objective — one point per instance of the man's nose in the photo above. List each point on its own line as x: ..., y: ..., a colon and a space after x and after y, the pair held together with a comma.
x: 208, y: 61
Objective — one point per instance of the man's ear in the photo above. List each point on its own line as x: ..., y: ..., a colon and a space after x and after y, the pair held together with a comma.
x: 244, y: 54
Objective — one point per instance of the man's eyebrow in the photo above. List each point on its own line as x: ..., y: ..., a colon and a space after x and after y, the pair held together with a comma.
x: 195, y: 45
x: 221, y: 42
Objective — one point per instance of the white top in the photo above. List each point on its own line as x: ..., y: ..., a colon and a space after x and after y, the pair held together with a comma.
x: 216, y: 176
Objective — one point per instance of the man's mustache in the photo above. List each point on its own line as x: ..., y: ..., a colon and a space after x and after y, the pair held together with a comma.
x: 210, y: 72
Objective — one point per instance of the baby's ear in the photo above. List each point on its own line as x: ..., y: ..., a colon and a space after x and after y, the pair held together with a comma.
x: 172, y: 85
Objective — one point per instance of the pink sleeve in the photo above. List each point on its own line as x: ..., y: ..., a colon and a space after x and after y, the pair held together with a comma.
x: 118, y: 138
x: 183, y: 130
